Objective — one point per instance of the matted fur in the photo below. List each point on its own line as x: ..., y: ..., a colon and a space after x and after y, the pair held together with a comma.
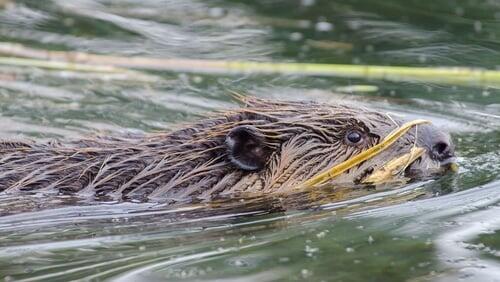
x: 305, y: 138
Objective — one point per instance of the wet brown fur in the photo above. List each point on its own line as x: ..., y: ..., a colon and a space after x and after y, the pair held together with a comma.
x: 305, y: 138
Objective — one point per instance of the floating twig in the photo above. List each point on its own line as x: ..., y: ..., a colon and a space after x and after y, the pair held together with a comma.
x: 109, y: 72
x: 445, y: 75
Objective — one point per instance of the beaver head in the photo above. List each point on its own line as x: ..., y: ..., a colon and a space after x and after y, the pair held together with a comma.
x: 264, y: 147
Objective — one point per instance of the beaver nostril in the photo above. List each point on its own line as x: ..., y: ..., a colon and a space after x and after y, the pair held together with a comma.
x: 442, y: 150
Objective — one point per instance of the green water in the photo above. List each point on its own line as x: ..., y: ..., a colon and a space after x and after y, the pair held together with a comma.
x: 392, y: 235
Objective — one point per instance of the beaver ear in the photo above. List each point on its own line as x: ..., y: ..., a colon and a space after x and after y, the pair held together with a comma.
x: 246, y: 148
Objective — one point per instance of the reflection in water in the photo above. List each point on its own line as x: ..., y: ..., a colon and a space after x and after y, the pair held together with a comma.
x: 396, y: 234
x: 462, y: 257
x: 143, y: 241
x: 457, y: 219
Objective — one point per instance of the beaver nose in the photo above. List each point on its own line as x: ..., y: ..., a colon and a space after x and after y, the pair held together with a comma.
x: 438, y: 143
x: 442, y: 150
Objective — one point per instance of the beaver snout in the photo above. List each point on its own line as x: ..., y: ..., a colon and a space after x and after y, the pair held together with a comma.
x: 439, y: 144
x: 438, y: 157
x: 442, y: 151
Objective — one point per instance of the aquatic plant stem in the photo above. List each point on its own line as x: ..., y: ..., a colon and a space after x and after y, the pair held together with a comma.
x: 59, y: 65
x: 77, y: 67
x: 444, y: 75
x: 363, y: 156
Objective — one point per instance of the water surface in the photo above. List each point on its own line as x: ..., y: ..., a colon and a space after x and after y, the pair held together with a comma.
x: 444, y: 229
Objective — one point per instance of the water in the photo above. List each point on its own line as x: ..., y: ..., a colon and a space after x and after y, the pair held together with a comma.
x: 440, y: 230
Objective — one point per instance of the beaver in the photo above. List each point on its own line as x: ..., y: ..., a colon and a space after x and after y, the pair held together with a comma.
x: 263, y: 147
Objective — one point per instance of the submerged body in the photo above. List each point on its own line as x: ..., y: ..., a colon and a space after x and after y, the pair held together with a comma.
x: 265, y: 147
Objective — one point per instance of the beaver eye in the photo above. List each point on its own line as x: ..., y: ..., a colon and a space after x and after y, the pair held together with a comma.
x: 354, y: 137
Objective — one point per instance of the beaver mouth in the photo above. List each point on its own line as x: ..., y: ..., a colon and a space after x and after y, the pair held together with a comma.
x: 417, y: 170
x: 410, y: 166
x: 398, y: 168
